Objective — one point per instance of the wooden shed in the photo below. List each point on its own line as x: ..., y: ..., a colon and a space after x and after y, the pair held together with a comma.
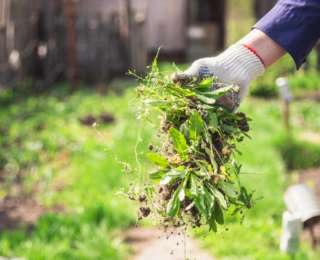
x: 99, y: 39
x: 51, y: 45
x: 18, y: 25
x: 102, y: 39
x: 185, y: 29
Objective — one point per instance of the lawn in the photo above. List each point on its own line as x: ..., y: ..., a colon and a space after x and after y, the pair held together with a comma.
x: 79, y: 168
x: 264, y: 172
x: 71, y: 166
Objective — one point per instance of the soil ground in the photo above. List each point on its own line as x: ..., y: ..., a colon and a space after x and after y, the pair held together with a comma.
x: 149, y: 243
x: 16, y: 211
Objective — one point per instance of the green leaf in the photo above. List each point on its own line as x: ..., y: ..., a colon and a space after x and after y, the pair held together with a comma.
x: 176, y: 173
x: 209, y: 201
x: 166, y: 180
x: 206, y: 100
x: 213, y: 121
x: 193, y: 185
x: 205, y: 84
x: 224, y: 90
x: 212, y: 159
x: 218, y: 214
x: 200, y: 204
x: 246, y: 197
x: 179, y: 142
x: 199, y: 201
x: 228, y: 128
x: 228, y: 189
x: 173, y: 205
x: 212, y: 224
x: 171, y: 175
x: 157, y: 175
x: 157, y: 159
x: 196, y: 125
x: 219, y: 196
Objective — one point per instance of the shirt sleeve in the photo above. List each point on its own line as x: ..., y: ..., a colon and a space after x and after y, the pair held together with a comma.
x: 294, y: 25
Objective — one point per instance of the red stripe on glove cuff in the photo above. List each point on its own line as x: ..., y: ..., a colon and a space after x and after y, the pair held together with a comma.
x: 254, y: 51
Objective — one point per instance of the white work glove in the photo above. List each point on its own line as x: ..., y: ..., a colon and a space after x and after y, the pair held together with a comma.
x: 237, y: 65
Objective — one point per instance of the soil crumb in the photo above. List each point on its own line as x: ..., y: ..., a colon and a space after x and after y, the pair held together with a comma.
x: 104, y: 118
x: 15, y: 212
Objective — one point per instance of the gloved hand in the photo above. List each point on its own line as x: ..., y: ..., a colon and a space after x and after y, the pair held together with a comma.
x: 237, y: 65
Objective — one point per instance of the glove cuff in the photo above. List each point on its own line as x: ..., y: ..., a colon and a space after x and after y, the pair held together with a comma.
x: 242, y: 61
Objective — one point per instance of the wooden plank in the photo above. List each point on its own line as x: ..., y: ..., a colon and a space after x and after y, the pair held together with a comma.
x: 70, y: 13
x: 166, y: 25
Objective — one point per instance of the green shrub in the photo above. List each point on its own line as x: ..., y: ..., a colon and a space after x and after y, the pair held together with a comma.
x: 300, y: 81
x: 64, y: 237
x: 305, y: 81
x: 264, y: 86
x: 264, y: 89
x: 298, y: 155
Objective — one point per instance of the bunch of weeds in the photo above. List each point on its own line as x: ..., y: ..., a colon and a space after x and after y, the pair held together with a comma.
x: 195, y: 180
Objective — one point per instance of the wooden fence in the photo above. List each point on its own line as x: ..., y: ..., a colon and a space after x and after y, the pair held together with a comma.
x: 95, y: 40
x: 18, y: 25
x: 35, y: 37
x: 99, y: 59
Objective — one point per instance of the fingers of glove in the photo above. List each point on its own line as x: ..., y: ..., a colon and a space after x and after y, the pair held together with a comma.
x: 187, y: 75
x: 181, y: 77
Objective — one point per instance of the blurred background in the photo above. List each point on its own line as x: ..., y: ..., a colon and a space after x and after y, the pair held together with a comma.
x: 68, y: 127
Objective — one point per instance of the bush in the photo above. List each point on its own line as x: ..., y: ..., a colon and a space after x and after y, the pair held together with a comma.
x: 298, y: 154
x: 265, y: 86
x: 300, y: 82
x: 305, y: 81
x: 264, y: 89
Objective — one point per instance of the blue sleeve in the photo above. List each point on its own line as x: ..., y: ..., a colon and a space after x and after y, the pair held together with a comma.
x: 294, y: 25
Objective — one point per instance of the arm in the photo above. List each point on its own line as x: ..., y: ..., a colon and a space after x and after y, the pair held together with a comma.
x: 267, y: 49
x: 292, y: 26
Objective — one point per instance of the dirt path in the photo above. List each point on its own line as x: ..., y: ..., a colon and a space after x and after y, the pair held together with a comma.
x: 153, y: 244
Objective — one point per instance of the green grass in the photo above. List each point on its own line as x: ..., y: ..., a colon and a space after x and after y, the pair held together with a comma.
x: 264, y: 172
x: 299, y: 154
x: 42, y: 138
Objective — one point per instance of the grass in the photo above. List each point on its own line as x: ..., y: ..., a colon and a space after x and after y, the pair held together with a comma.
x: 258, y: 236
x: 299, y: 154
x: 43, y: 139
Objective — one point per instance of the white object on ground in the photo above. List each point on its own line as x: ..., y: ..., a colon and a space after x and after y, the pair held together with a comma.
x: 291, y: 230
x: 283, y: 85
x: 302, y: 202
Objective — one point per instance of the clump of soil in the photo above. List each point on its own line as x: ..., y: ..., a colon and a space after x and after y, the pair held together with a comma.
x: 104, y: 118
x: 195, y: 180
x: 16, y: 211
x: 88, y: 120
